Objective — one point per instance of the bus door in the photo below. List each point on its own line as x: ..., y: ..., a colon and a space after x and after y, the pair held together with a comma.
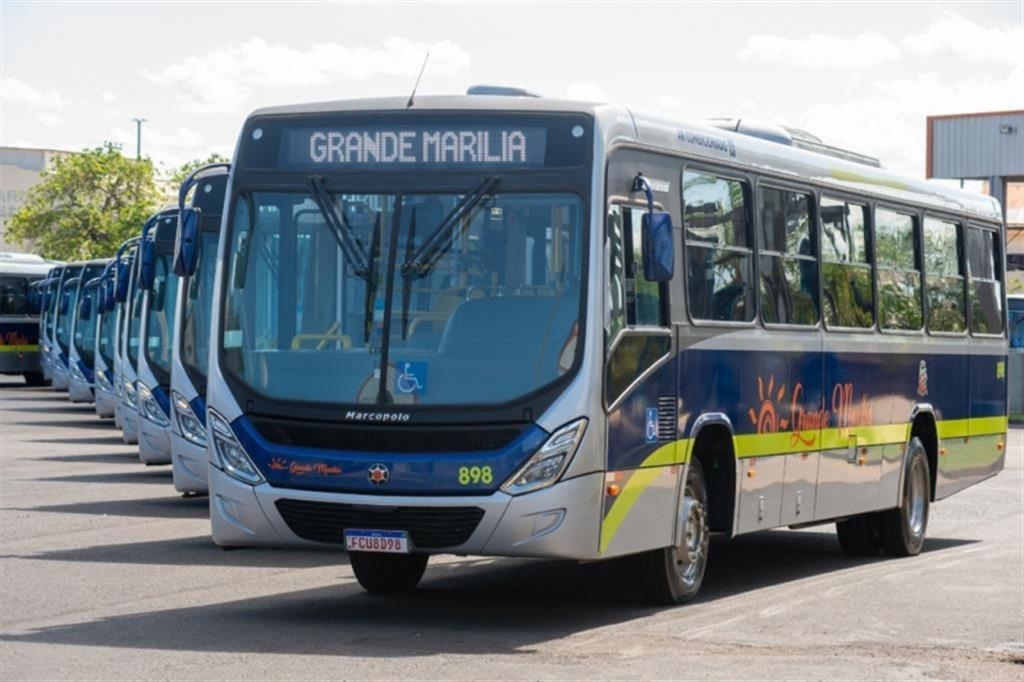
x: 849, y: 473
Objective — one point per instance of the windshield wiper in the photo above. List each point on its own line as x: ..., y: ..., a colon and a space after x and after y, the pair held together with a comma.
x: 342, y: 231
x: 437, y: 244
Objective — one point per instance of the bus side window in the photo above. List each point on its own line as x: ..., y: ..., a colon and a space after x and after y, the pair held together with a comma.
x: 986, y: 291
x: 719, y: 252
x: 944, y: 277
x: 788, y: 258
x: 634, y: 304
x: 846, y: 265
x: 899, y: 271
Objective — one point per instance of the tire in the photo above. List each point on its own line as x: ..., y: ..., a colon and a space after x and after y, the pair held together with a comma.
x: 858, y: 535
x: 673, y: 575
x: 901, y: 531
x: 34, y: 379
x: 388, y: 573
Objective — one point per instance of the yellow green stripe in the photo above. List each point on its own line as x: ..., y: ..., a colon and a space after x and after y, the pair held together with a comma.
x: 669, y: 454
x: 17, y: 349
x: 774, y: 444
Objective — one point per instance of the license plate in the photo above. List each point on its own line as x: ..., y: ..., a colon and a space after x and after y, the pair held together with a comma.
x: 384, y: 541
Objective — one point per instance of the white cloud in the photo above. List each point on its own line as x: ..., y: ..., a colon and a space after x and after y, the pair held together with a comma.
x: 108, y: 97
x: 174, y: 146
x: 586, y: 92
x: 15, y: 91
x: 953, y: 35
x: 888, y: 121
x: 221, y: 80
x: 821, y: 50
x: 50, y: 120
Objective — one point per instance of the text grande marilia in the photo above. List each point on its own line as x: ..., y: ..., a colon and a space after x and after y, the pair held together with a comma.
x: 418, y: 146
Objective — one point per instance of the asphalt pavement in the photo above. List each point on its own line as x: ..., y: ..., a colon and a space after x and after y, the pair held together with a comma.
x: 107, y: 573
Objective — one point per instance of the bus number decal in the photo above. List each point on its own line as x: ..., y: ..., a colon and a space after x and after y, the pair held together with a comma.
x: 476, y: 475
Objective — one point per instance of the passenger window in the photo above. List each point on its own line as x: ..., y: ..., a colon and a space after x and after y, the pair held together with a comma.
x: 789, y: 264
x: 719, y: 255
x: 899, y: 271
x: 944, y: 280
x: 846, y: 265
x: 986, y: 288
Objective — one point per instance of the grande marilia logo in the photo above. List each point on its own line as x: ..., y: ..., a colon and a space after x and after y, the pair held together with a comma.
x: 776, y: 414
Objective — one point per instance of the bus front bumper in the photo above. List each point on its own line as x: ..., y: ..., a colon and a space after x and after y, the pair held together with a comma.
x: 189, y: 462
x: 562, y: 521
x: 129, y: 425
x: 154, y: 441
x: 79, y: 391
x: 60, y: 376
x: 106, y: 403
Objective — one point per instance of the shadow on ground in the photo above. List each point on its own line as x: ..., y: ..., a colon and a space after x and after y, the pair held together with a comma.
x: 502, y: 606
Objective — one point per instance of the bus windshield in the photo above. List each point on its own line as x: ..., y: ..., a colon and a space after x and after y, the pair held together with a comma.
x: 14, y: 294
x: 64, y: 320
x: 107, y: 336
x: 134, y: 323
x: 85, y: 329
x: 160, y: 316
x: 195, y: 328
x: 454, y: 298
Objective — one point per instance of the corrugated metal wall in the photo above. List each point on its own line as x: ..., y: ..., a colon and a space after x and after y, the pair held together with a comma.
x: 975, y: 147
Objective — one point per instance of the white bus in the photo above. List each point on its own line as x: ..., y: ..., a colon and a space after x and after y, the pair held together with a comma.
x: 503, y: 325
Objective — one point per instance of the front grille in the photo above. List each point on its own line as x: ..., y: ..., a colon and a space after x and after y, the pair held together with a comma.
x: 428, y: 527
x: 406, y: 439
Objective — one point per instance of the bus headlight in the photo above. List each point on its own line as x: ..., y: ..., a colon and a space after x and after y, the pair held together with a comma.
x: 228, y: 453
x: 191, y: 428
x: 149, y: 408
x: 76, y: 373
x: 103, y: 381
x: 128, y: 397
x: 548, y: 463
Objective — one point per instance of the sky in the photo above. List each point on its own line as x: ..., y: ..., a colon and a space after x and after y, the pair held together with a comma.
x: 860, y: 75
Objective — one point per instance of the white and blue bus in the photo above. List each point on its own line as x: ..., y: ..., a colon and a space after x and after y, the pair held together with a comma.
x: 512, y: 326
x: 124, y: 268
x: 47, y: 312
x: 126, y: 362
x: 192, y: 326
x: 83, y: 331
x: 60, y: 326
x: 158, y: 286
x: 19, y: 316
x: 106, y: 343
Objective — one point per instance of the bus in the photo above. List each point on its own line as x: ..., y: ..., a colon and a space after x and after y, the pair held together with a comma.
x: 513, y: 326
x: 192, y: 327
x: 83, y: 331
x: 158, y: 287
x: 106, y: 340
x: 46, y: 341
x: 63, y: 317
x: 123, y: 274
x: 19, y: 318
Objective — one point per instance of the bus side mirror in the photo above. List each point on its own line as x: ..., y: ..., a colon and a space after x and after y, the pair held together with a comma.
x: 147, y: 264
x: 186, y: 245
x: 108, y: 295
x: 65, y: 301
x: 658, y: 251
x: 121, y: 275
x: 85, y: 308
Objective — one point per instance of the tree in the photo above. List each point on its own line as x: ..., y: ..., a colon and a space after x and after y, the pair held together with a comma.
x: 86, y: 205
x: 179, y: 175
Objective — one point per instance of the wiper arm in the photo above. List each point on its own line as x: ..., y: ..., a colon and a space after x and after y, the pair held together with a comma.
x: 340, y: 229
x: 438, y: 243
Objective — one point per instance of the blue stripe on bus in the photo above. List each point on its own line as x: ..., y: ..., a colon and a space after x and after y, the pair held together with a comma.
x: 438, y: 473
x: 198, y: 405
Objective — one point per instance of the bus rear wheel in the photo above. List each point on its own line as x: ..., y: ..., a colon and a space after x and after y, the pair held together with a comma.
x: 673, y: 575
x: 388, y: 573
x: 901, y: 531
x: 34, y: 379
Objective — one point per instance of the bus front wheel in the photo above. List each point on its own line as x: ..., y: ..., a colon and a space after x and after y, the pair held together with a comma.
x: 673, y: 575
x: 388, y: 573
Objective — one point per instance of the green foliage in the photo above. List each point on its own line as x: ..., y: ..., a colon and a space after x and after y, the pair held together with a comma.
x: 179, y: 175
x: 86, y: 205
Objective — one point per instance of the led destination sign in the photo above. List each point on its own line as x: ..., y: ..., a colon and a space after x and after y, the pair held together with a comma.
x: 434, y: 146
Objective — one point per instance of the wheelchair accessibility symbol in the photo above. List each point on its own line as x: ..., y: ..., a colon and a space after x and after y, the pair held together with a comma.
x: 411, y: 378
x: 651, y: 427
